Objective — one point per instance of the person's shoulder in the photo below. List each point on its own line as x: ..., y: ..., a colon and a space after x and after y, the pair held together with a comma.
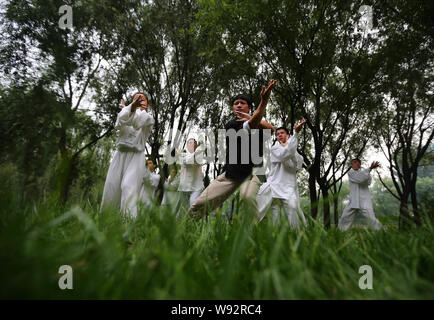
x: 276, y: 146
x: 233, y: 124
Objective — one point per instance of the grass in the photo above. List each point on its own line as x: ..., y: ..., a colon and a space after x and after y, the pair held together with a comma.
x: 157, y: 256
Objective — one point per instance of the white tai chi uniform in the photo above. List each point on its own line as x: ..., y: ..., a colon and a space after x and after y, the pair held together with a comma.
x: 149, y: 187
x: 191, y: 177
x: 171, y: 194
x: 360, y: 199
x: 126, y: 171
x: 281, y: 186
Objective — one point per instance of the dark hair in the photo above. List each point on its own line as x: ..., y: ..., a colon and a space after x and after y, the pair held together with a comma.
x: 242, y: 97
x: 357, y: 159
x: 282, y: 128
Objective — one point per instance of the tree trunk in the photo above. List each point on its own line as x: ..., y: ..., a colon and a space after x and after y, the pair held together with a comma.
x: 206, y: 178
x: 413, y: 195
x: 404, y: 216
x: 326, y: 206
x: 335, y: 208
x: 313, y: 196
x: 63, y: 177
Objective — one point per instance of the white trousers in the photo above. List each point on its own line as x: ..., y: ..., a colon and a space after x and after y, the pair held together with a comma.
x: 170, y: 198
x: 287, y: 206
x: 123, y: 182
x: 147, y: 194
x: 349, y: 214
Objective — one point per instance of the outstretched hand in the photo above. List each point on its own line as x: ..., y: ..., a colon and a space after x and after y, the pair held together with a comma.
x: 266, y: 91
x: 299, y: 125
x: 242, y: 116
x: 136, y: 102
x: 375, y: 164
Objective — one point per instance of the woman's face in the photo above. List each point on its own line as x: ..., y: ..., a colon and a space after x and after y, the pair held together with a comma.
x: 191, y: 145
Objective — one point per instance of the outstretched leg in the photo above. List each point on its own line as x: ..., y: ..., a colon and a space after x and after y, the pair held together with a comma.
x: 372, y: 219
x: 132, y: 182
x: 112, y: 187
x: 248, y: 191
x: 347, y: 218
x: 290, y: 207
x: 214, y: 195
x: 264, y: 200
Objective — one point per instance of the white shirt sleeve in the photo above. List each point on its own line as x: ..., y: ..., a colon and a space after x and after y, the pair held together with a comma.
x: 155, y: 180
x: 295, y: 162
x: 187, y: 158
x: 125, y: 117
x: 287, y: 152
x: 246, y: 125
x: 142, y: 119
x: 360, y: 176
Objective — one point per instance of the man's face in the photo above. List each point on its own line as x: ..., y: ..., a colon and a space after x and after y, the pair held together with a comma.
x: 240, y: 105
x: 151, y: 165
x: 191, y: 145
x: 173, y: 173
x: 282, y: 136
x: 355, y: 164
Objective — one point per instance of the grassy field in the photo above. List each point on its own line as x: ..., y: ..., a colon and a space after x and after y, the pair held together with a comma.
x: 157, y: 256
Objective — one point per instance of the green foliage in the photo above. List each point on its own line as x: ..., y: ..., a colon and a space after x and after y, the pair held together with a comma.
x: 157, y: 256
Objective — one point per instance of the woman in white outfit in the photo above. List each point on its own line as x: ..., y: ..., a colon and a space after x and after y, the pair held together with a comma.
x: 191, y: 177
x: 126, y: 171
x: 360, y: 197
x: 281, y: 190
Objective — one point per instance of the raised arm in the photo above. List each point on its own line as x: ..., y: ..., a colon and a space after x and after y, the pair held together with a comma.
x: 125, y: 117
x: 245, y: 117
x: 127, y: 113
x: 257, y: 116
x: 265, y: 125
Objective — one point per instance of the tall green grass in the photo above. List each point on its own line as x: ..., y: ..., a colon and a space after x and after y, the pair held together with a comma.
x: 157, y: 256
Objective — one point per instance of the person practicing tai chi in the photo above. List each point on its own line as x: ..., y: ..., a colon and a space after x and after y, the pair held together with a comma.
x: 360, y: 197
x: 281, y: 190
x: 150, y: 183
x: 191, y: 177
x: 236, y: 169
x: 171, y: 184
x: 126, y: 171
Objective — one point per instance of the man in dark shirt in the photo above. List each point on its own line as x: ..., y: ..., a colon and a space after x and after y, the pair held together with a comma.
x: 239, y: 162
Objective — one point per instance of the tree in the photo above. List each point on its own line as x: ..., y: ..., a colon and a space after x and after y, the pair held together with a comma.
x: 62, y: 63
x: 407, y: 129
